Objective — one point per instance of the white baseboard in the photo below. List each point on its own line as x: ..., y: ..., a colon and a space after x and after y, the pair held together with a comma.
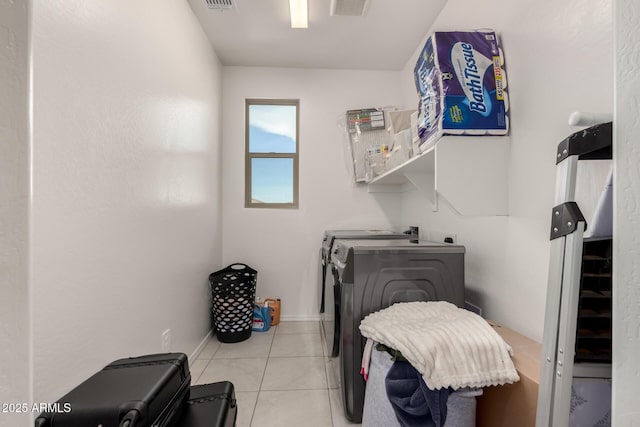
x: 299, y: 318
x: 201, y: 346
x: 286, y: 318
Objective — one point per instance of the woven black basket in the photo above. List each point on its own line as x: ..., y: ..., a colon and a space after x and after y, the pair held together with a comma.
x: 233, y: 293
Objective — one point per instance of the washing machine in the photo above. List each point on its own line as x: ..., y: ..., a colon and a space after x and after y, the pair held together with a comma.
x: 327, y: 312
x: 369, y: 275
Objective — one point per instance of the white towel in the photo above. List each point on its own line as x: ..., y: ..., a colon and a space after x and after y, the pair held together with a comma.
x: 449, y: 346
x: 366, y: 359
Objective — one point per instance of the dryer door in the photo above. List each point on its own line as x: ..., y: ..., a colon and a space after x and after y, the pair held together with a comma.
x: 322, y: 280
x: 330, y: 319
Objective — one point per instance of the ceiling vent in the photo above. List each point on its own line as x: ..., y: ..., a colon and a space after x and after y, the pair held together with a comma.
x: 349, y: 7
x: 220, y: 4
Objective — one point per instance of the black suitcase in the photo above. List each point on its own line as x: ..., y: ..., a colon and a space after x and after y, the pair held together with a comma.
x: 145, y: 391
x: 211, y: 405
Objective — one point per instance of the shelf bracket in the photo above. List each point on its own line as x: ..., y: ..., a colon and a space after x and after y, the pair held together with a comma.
x: 425, y: 184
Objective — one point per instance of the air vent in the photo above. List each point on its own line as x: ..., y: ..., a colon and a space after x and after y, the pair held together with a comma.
x: 220, y: 4
x: 349, y: 7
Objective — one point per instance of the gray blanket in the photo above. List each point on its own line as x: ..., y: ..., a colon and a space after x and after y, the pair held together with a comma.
x: 412, y: 401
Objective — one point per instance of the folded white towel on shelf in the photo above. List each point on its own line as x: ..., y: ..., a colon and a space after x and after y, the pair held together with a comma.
x: 449, y: 346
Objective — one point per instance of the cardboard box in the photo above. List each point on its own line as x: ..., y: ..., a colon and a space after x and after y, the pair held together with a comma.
x: 513, y: 404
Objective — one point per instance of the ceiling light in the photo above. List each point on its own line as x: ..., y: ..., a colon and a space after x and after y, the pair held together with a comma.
x: 299, y: 13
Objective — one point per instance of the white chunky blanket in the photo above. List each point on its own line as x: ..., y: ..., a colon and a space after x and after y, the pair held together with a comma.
x: 449, y: 346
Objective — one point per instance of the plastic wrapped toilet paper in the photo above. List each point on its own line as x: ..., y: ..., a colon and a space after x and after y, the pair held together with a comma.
x: 461, y: 86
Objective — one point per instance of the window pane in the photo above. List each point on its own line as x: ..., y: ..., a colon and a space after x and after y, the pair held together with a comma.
x: 272, y: 128
x: 271, y: 180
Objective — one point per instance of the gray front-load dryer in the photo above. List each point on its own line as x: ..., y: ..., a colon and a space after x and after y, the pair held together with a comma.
x: 370, y: 275
x: 327, y: 310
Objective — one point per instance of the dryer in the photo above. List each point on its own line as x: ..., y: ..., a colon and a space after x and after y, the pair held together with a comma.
x: 327, y: 313
x: 369, y: 275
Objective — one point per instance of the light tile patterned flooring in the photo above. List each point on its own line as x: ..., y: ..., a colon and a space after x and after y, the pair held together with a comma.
x: 281, y: 377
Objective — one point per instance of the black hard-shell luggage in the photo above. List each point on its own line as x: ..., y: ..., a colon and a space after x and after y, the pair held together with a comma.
x: 211, y: 405
x: 145, y: 391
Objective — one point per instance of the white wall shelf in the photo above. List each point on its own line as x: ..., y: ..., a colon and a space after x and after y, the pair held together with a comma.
x: 469, y: 172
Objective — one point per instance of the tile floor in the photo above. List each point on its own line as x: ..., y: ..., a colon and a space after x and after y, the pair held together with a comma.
x: 281, y: 377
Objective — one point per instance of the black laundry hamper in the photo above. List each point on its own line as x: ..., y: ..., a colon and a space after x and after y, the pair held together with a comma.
x: 233, y: 293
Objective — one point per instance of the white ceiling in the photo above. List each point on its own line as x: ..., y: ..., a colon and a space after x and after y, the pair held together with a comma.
x: 258, y: 33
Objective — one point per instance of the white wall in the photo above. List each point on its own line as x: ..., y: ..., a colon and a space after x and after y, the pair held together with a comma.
x: 283, y: 245
x: 626, y: 250
x: 558, y: 59
x: 126, y: 183
x: 14, y: 209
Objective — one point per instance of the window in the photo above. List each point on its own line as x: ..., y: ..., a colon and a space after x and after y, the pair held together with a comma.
x: 271, y: 159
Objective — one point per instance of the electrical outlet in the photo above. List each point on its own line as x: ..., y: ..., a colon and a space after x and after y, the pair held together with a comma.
x: 166, y: 341
x: 440, y: 237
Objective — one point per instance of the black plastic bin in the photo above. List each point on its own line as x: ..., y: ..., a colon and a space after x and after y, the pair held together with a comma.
x: 233, y: 293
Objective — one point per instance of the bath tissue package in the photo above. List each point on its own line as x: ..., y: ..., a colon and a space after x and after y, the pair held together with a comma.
x: 461, y: 86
